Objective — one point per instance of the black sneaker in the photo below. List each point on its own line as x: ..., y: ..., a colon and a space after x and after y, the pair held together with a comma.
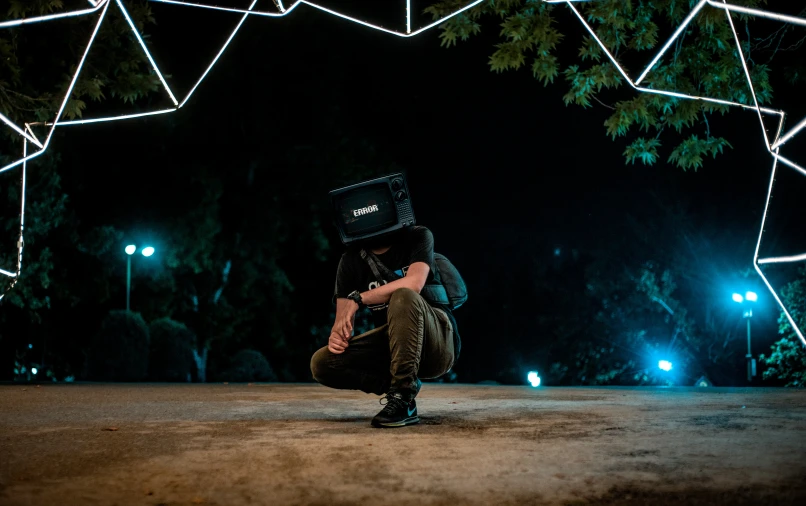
x: 398, y: 412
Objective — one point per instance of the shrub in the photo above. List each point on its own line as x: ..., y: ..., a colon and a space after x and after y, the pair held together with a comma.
x: 249, y: 365
x: 787, y: 360
x: 171, y: 353
x: 119, y: 351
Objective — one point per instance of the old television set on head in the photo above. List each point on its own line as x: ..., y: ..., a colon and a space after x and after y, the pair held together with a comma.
x: 372, y: 208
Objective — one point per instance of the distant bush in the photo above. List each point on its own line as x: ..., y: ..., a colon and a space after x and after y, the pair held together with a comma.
x: 786, y: 362
x: 171, y: 354
x: 249, y: 365
x: 119, y: 351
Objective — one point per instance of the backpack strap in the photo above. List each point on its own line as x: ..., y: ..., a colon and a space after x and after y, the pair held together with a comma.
x: 377, y: 267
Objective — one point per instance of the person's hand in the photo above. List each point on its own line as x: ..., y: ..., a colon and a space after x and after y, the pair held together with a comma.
x: 336, y: 343
x: 344, y: 321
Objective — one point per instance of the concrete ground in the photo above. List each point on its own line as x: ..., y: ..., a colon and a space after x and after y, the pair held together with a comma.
x: 231, y: 445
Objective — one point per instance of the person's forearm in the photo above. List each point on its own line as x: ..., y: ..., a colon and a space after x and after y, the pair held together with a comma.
x: 342, y: 308
x: 383, y: 293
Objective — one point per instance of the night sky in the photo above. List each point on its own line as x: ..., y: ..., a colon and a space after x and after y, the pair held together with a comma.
x: 496, y: 163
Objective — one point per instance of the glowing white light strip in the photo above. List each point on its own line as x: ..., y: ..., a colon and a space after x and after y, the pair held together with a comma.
x: 800, y: 126
x: 705, y: 99
x: 8, y: 273
x: 408, y: 16
x: 437, y: 22
x: 75, y: 77
x: 761, y: 234
x: 790, y: 163
x: 755, y: 12
x: 51, y: 17
x: 145, y: 49
x: 769, y: 196
x: 781, y: 260
x: 386, y: 30
x: 20, y: 241
x: 21, y: 161
x: 280, y: 5
x: 601, y: 44
x: 674, y: 37
x: 747, y: 74
x: 229, y: 9
x: 223, y: 48
x: 112, y: 118
x: 18, y: 129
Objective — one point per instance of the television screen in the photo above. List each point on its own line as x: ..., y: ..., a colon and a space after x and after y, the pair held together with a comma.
x: 367, y: 209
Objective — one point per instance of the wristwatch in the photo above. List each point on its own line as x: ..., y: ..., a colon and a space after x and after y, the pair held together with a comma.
x: 355, y: 296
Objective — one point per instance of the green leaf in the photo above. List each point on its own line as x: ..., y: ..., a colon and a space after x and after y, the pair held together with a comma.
x: 545, y: 69
x: 689, y: 153
x: 644, y: 149
x: 509, y: 55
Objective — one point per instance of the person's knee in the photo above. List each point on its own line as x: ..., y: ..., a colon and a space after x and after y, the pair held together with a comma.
x: 403, y: 297
x: 319, y: 367
x: 403, y: 303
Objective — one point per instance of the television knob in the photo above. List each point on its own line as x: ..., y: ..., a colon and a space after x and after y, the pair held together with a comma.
x: 401, y: 195
x: 397, y: 184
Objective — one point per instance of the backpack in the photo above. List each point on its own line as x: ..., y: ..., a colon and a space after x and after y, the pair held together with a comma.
x: 451, y: 292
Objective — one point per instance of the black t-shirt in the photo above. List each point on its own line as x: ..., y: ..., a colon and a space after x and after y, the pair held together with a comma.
x: 413, y: 244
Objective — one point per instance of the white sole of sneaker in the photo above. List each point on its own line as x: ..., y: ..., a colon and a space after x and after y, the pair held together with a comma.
x: 402, y: 423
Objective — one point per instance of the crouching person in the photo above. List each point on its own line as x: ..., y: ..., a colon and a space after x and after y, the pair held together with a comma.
x: 412, y: 339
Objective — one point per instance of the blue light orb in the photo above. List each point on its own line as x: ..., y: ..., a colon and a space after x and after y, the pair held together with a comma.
x: 533, y: 378
x: 130, y: 249
x: 33, y: 370
x: 737, y: 298
x: 148, y: 251
x: 665, y: 365
x: 751, y: 296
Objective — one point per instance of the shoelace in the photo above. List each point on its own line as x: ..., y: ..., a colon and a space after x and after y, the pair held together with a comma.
x: 392, y: 403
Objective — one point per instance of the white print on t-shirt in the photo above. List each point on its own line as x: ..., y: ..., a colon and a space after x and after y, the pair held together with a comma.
x: 374, y: 284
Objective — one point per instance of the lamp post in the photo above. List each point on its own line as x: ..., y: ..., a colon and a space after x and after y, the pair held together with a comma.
x: 748, y: 314
x: 130, y: 249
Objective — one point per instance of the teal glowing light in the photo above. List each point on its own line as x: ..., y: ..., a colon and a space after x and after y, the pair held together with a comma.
x: 751, y: 296
x: 130, y: 249
x: 148, y: 251
x: 33, y: 370
x: 738, y: 298
x: 533, y: 378
x: 665, y: 365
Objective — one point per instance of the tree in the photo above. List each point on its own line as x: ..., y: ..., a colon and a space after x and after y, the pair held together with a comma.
x: 787, y: 359
x: 704, y: 61
x: 646, y: 289
x: 34, y: 75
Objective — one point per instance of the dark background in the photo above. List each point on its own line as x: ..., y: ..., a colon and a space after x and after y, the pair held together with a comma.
x: 502, y: 172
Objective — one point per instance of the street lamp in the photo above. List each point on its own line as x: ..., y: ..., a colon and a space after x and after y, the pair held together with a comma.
x: 130, y: 250
x: 748, y: 314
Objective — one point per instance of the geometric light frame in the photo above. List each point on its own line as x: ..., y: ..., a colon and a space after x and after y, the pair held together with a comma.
x: 773, y: 145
